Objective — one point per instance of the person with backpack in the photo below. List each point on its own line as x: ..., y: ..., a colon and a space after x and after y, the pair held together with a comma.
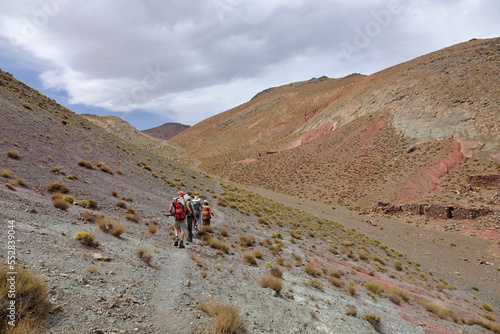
x: 191, y: 217
x: 178, y: 209
x: 206, y: 213
x: 197, y: 210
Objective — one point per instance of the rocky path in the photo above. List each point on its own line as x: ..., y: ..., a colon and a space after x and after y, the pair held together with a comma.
x: 173, y: 288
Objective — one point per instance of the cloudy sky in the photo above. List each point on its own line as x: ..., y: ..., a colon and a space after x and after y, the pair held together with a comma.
x: 151, y: 61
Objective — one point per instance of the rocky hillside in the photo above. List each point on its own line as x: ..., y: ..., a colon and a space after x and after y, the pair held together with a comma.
x: 166, y: 131
x: 127, y: 132
x: 94, y: 248
x: 414, y: 133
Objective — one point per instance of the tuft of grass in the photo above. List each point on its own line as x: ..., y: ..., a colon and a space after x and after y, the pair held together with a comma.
x: 219, y: 245
x: 144, y: 254
x: 246, y: 241
x: 30, y: 300
x: 441, y: 311
x: 487, y: 307
x: 152, y: 229
x: 227, y: 319
x: 56, y: 187
x: 18, y: 182
x: 86, y: 164
x: 121, y: 204
x: 60, y: 203
x: 276, y: 272
x: 272, y: 282
x: 374, y: 287
x: 13, y: 154
x: 86, y: 239
x: 400, y: 293
x: 87, y: 216
x: 352, y: 288
x: 249, y: 258
x: 351, y: 310
x: 105, y: 168
x: 311, y: 269
x: 258, y: 253
x: 373, y: 319
x: 224, y: 232
x: 6, y: 173
x: 316, y: 284
x: 335, y: 281
x: 398, y: 265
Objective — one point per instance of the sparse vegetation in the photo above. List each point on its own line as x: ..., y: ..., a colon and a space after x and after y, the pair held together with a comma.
x: 227, y: 319
x: 373, y: 319
x: 144, y: 254
x: 272, y: 282
x: 13, y: 154
x: 86, y: 238
x: 30, y: 297
x: 56, y: 187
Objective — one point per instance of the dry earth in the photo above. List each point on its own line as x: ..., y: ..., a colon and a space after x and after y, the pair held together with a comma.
x: 331, y: 260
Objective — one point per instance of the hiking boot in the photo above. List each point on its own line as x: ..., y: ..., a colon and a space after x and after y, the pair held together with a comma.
x: 176, y: 242
x: 181, y: 245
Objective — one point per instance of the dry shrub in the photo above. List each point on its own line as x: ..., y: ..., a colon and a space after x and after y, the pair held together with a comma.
x: 202, y: 230
x: 373, y: 319
x: 276, y: 272
x: 246, y: 241
x: 30, y: 297
x: 441, y: 311
x: 13, y: 154
x: 272, y: 282
x: 60, y: 203
x: 6, y: 173
x: 258, y: 253
x: 249, y: 258
x: 400, y: 293
x: 351, y: 310
x: 297, y: 257
x: 105, y: 168
x: 227, y: 319
x: 224, y: 232
x: 18, y: 182
x: 280, y: 261
x: 374, y: 287
x: 121, y: 204
x: 311, y: 269
x: 118, y: 230
x: 398, y: 265
x: 114, y: 192
x: 144, y: 254
x: 86, y: 164
x: 218, y: 244
x: 152, y: 229
x: 87, y: 216
x: 132, y: 217
x: 58, y: 187
x: 352, y: 288
x: 86, y: 239
x: 494, y: 327
x: 335, y: 281
x: 316, y: 284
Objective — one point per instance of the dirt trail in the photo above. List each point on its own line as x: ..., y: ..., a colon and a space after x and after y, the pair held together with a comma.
x: 449, y: 255
x: 172, y: 284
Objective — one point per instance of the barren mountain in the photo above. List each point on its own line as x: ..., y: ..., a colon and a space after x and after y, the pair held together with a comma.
x: 91, y: 248
x: 424, y: 132
x: 127, y: 132
x: 166, y: 131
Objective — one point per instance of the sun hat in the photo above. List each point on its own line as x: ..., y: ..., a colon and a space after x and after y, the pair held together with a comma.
x: 196, y: 199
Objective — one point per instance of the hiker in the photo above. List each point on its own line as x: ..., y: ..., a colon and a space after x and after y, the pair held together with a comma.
x: 178, y: 209
x: 191, y: 217
x: 206, y: 213
x: 197, y: 210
